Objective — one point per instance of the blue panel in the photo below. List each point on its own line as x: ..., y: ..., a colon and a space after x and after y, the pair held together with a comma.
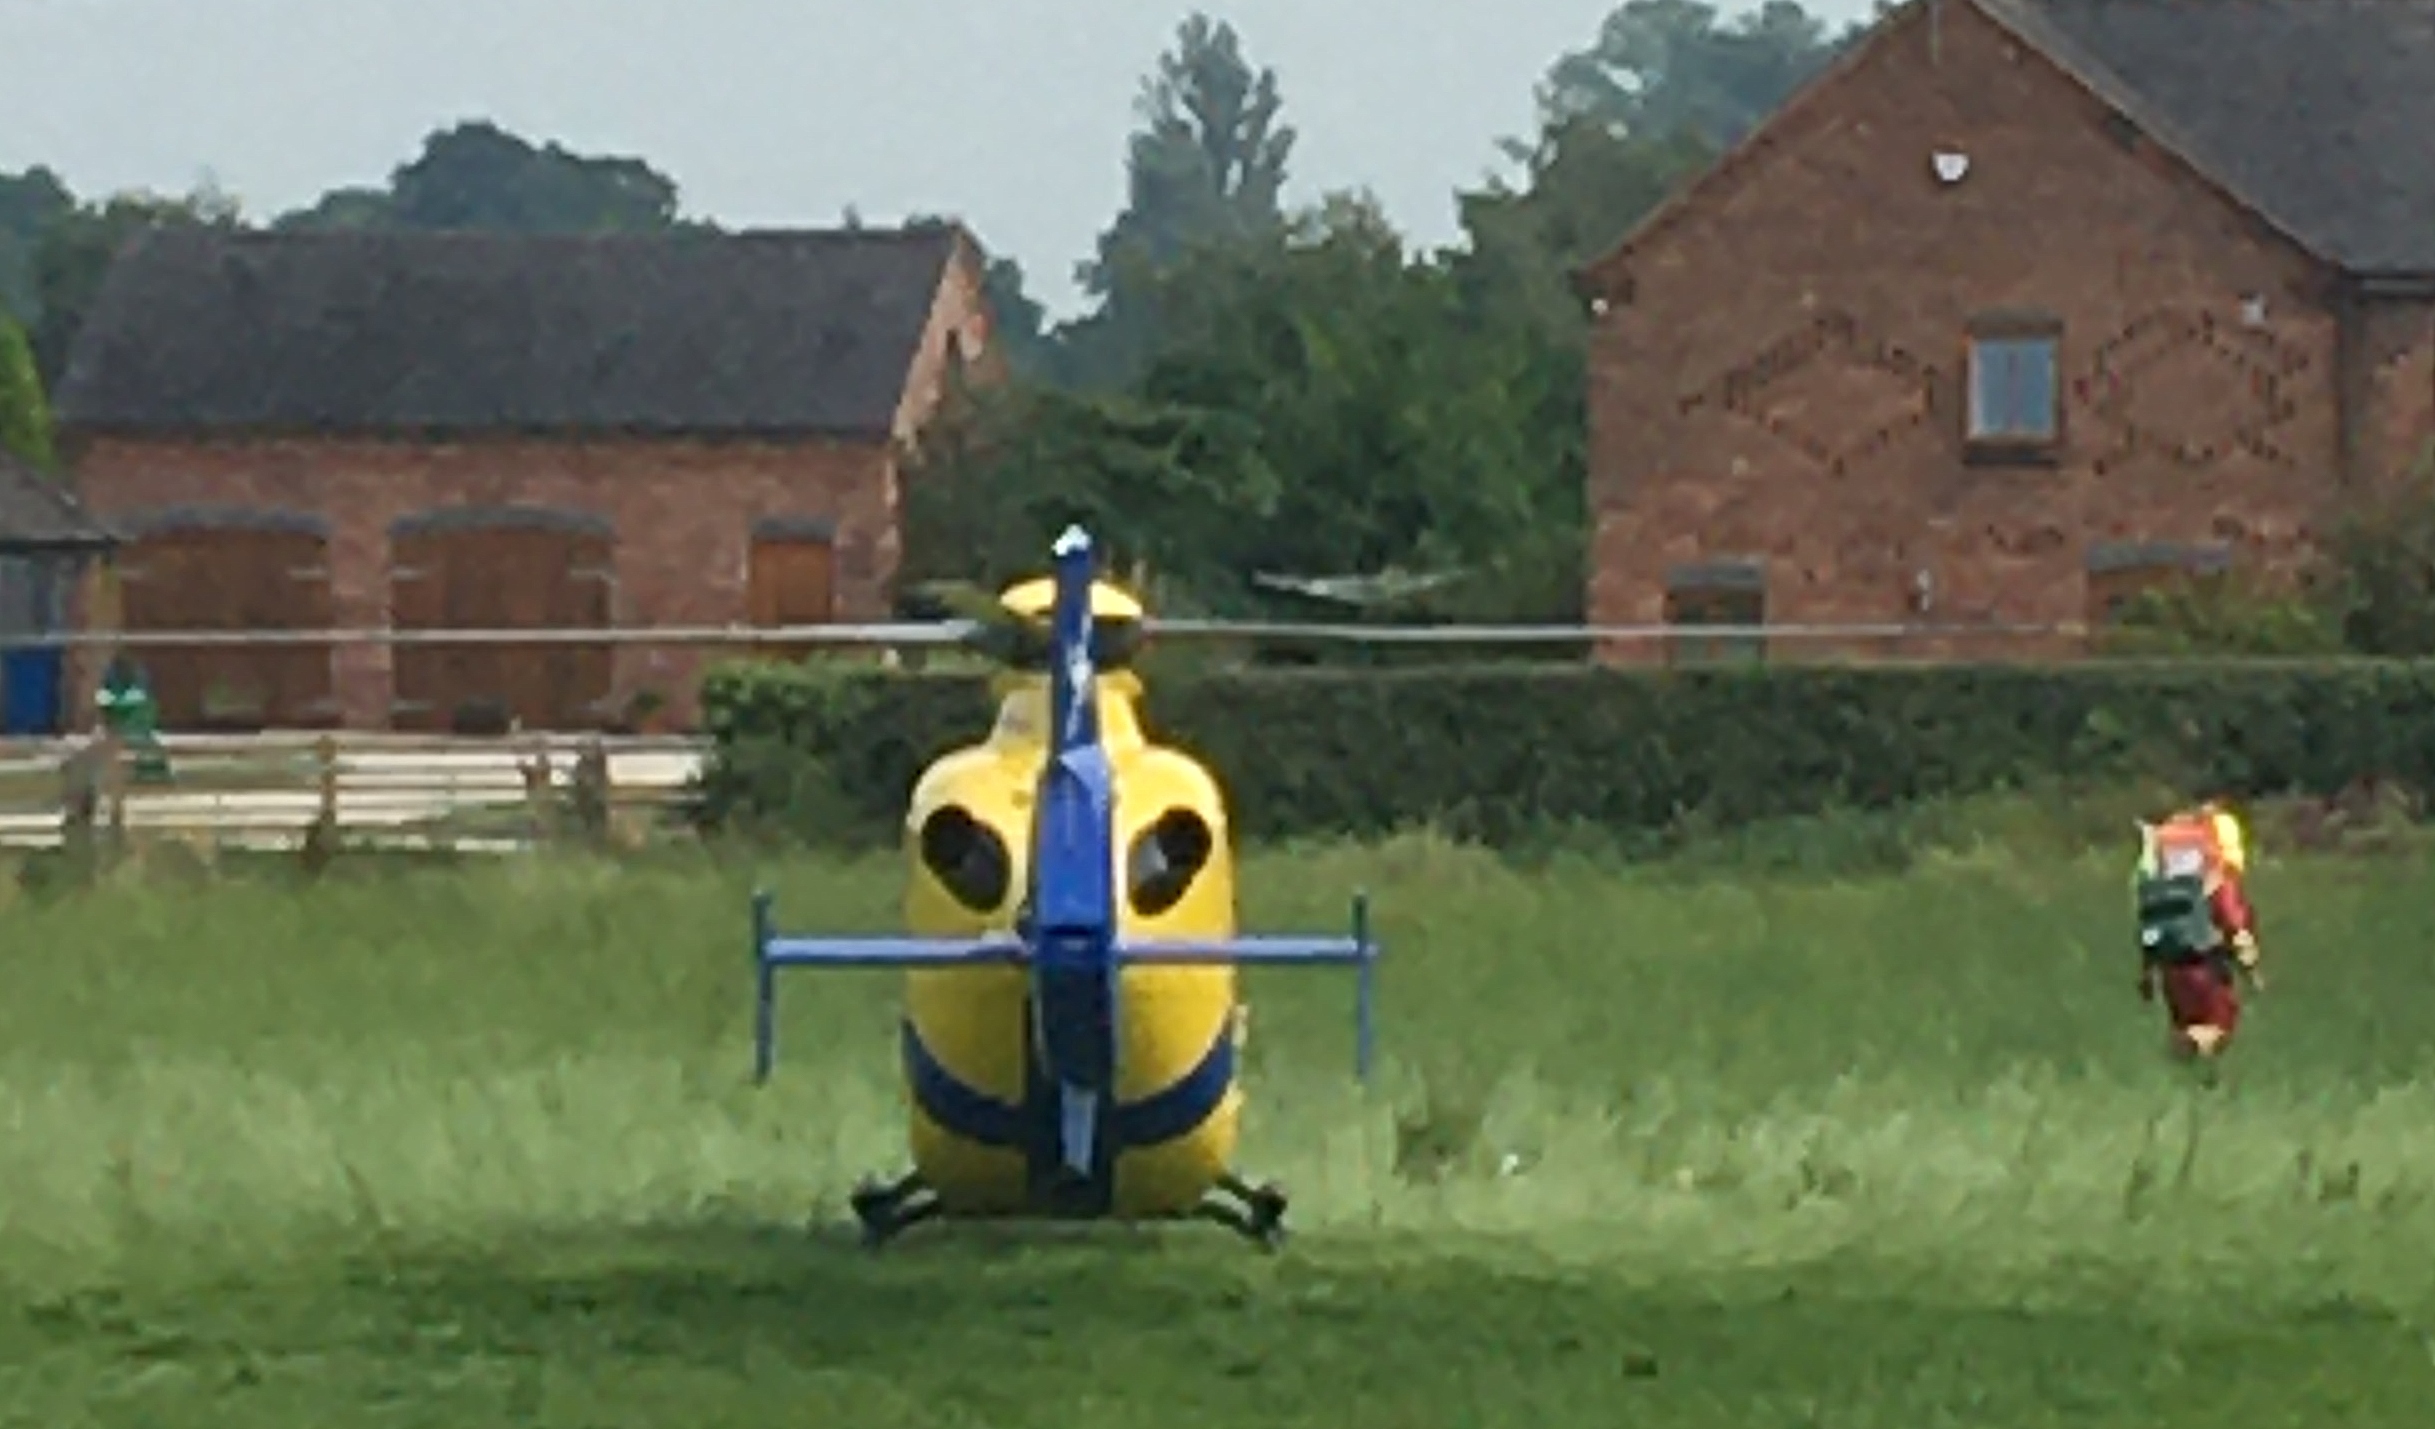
x: 33, y: 677
x: 1073, y: 877
x: 1076, y: 995
x: 889, y: 952
x: 1254, y: 951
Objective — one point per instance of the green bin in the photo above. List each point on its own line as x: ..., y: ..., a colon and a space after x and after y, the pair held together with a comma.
x: 127, y: 709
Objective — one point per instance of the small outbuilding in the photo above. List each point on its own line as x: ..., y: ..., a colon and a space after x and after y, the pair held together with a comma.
x: 49, y: 544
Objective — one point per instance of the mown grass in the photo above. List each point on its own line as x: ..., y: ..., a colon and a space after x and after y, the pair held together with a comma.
x: 1656, y: 1146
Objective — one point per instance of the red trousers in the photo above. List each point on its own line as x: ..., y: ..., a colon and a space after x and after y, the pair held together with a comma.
x: 2199, y: 994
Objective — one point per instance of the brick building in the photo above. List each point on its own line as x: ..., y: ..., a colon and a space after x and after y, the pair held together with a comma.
x: 2022, y: 306
x: 455, y: 430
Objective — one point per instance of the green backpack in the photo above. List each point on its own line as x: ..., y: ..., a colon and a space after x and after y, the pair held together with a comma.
x: 2175, y: 923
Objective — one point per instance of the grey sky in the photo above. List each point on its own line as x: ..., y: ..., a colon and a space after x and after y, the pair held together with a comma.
x: 1009, y: 113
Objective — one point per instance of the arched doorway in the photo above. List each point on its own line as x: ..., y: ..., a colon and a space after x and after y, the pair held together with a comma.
x: 502, y: 568
x: 202, y: 568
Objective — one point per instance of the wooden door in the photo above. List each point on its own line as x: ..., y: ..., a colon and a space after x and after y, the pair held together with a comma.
x: 259, y: 577
x: 502, y: 575
x: 791, y: 580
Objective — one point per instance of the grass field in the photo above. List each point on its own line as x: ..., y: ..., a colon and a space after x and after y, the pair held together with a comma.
x: 1649, y: 1148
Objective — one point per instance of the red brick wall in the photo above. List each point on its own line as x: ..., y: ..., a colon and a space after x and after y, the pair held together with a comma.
x: 960, y: 330
x: 2401, y: 424
x: 1833, y: 221
x: 683, y: 512
x: 960, y: 320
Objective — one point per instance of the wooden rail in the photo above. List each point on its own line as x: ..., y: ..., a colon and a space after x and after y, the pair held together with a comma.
x: 914, y: 634
x: 286, y: 790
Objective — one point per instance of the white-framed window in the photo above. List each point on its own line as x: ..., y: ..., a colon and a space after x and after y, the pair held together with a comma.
x: 2014, y: 383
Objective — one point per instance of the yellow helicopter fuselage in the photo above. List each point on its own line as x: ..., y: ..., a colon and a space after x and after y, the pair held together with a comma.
x: 972, y: 1077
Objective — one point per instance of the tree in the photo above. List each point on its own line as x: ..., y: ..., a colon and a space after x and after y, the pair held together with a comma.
x: 2381, y: 568
x: 1207, y: 167
x: 1405, y: 421
x: 1315, y: 402
x: 29, y: 203
x: 1208, y: 163
x: 1584, y: 186
x: 1666, y: 67
x: 476, y: 175
x: 25, y: 416
x: 342, y: 209
x: 1019, y: 321
x: 1005, y: 467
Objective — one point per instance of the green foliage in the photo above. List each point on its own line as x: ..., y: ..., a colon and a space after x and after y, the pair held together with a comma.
x: 475, y: 175
x: 1508, y: 754
x: 1210, y: 159
x: 1208, y: 163
x: 1008, y: 466
x: 30, y: 202
x: 25, y: 414
x: 1316, y: 404
x: 1584, y: 185
x: 1661, y: 67
x: 2227, y: 613
x: 2383, y: 559
x: 1207, y: 166
x: 1295, y: 394
x: 1019, y: 325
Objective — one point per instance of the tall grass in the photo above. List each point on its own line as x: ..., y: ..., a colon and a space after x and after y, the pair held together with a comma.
x: 1677, y: 1075
x: 1743, y: 1137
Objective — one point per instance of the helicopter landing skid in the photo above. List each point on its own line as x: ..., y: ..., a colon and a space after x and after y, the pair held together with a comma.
x: 1257, y: 1213
x: 887, y: 1208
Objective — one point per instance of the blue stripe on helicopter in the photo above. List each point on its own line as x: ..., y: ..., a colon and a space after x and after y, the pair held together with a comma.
x: 965, y: 1111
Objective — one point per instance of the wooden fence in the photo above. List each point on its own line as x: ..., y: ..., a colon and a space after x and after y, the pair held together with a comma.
x: 285, y: 790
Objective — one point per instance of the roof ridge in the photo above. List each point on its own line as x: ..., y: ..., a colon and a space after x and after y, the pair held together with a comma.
x: 507, y: 237
x: 812, y: 329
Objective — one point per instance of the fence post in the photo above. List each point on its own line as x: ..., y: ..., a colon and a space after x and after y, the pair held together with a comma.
x: 111, y: 751
x: 591, y: 791
x: 536, y: 771
x: 325, y: 764
x: 79, y: 797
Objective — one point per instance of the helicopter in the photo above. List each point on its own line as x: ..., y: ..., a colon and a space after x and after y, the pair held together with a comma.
x: 1073, y: 1026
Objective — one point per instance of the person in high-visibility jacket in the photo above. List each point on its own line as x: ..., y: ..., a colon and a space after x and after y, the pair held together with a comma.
x: 2197, y: 927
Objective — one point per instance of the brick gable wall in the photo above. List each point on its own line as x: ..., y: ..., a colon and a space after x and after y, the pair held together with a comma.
x: 1785, y: 379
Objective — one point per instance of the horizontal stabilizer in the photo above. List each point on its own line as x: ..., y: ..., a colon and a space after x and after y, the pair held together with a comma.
x: 879, y: 952
x: 885, y: 952
x: 771, y: 951
x: 1270, y: 950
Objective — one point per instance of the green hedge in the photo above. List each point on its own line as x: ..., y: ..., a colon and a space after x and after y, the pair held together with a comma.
x: 1505, y: 752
